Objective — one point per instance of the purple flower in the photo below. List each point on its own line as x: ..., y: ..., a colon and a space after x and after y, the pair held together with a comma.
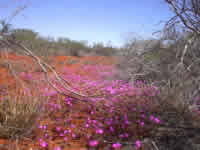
x: 151, y: 117
x: 94, y: 121
x: 58, y: 128
x: 99, y: 131
x: 142, y: 123
x: 116, y: 145
x: 92, y: 112
x: 73, y: 135
x: 69, y: 130
x: 57, y: 148
x: 65, y: 131
x: 93, y: 143
x: 86, y: 125
x: 42, y: 127
x: 138, y: 144
x: 73, y: 126
x: 111, y: 129
x: 157, y: 120
x: 43, y: 144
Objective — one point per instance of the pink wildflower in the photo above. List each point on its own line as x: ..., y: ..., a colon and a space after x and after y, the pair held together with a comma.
x: 93, y: 143
x: 58, y: 128
x: 116, y: 145
x: 43, y: 144
x: 157, y: 120
x: 138, y: 144
x: 57, y: 148
x: 151, y: 117
x: 73, y: 135
x: 111, y: 129
x: 61, y: 134
x: 86, y: 125
x: 99, y: 131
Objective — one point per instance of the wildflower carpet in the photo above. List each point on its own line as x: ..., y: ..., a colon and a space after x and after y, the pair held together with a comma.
x: 119, y: 114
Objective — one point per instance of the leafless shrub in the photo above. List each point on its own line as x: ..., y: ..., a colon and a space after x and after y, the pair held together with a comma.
x: 173, y: 66
x: 135, y: 64
x: 172, y: 63
x: 186, y: 15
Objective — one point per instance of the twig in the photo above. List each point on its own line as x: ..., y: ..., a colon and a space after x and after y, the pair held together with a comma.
x: 154, y: 144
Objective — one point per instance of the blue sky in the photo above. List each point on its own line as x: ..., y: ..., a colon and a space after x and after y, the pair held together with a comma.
x: 91, y: 20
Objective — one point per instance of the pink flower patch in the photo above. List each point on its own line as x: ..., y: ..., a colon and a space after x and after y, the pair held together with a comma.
x: 116, y: 145
x: 57, y: 148
x: 93, y: 143
x: 58, y: 128
x: 157, y: 120
x: 43, y: 144
x: 99, y: 131
x: 138, y: 144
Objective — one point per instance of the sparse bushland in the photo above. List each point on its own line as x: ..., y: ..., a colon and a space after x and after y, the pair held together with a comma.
x: 156, y: 108
x: 132, y: 110
x: 48, y: 46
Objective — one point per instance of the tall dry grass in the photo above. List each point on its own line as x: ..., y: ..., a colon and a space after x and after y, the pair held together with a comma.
x: 20, y: 113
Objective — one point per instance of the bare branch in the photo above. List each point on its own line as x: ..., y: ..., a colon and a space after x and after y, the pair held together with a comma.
x: 188, y: 12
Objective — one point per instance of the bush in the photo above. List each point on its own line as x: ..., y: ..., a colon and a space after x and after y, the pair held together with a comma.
x: 180, y: 125
x: 177, y: 77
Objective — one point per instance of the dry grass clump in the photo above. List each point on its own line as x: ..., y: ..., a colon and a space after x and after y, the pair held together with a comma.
x: 19, y: 114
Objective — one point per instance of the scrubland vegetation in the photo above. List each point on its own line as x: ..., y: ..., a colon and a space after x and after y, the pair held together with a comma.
x: 65, y: 94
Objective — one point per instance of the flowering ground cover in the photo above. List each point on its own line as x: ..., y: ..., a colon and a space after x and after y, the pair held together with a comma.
x: 119, y: 115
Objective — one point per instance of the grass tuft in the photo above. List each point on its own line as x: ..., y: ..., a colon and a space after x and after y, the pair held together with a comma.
x: 19, y: 114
